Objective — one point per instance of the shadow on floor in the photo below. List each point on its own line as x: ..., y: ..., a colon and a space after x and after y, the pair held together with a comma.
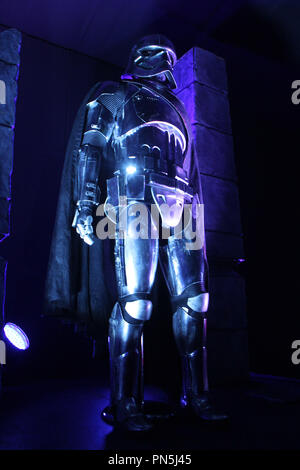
x: 265, y: 414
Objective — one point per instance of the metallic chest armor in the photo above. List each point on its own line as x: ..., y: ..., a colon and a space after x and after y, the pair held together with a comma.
x: 149, y: 134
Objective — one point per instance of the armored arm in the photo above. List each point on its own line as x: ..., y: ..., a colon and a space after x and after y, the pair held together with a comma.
x: 98, y: 129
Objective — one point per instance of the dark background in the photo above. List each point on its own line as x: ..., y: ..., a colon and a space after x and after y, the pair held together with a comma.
x: 66, y: 48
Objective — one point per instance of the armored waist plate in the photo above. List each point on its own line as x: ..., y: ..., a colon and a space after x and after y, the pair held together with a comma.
x: 174, y: 184
x: 138, y: 187
x: 141, y: 165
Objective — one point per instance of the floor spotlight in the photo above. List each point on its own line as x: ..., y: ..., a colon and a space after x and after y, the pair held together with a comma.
x: 16, y: 336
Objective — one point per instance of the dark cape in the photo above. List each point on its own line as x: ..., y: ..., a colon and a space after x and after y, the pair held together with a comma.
x: 80, y: 285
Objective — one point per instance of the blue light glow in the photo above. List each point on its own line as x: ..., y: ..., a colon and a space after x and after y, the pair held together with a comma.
x: 130, y: 169
x: 16, y: 336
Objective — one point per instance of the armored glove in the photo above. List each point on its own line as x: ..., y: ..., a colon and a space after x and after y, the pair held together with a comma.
x: 83, y: 220
x: 88, y: 191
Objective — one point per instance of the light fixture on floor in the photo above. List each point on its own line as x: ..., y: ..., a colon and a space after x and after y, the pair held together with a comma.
x: 16, y: 336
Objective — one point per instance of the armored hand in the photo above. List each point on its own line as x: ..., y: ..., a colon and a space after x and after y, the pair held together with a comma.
x: 88, y: 191
x: 83, y: 220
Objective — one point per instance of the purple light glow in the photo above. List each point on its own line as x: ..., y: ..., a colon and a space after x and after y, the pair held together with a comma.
x: 16, y: 336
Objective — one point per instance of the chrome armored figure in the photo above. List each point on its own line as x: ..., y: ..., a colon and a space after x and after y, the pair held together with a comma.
x: 142, y: 131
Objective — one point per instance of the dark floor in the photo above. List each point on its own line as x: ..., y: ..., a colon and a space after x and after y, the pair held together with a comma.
x: 265, y: 414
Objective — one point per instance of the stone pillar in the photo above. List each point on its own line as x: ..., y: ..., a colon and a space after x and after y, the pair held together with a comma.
x: 202, y: 86
x: 9, y: 70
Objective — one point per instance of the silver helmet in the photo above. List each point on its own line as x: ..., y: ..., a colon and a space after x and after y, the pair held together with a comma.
x: 152, y: 56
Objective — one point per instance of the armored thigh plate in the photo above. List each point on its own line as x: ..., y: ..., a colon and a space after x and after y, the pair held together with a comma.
x: 186, y: 272
x: 136, y: 262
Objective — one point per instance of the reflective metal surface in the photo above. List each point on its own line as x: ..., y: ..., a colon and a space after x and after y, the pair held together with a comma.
x: 136, y: 258
x: 139, y: 309
x: 153, y: 56
x: 190, y: 337
x: 125, y: 351
x: 184, y: 268
x: 142, y: 126
x: 199, y: 303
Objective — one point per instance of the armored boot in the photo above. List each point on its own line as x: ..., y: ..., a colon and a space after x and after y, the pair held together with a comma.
x: 190, y: 337
x: 126, y: 369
